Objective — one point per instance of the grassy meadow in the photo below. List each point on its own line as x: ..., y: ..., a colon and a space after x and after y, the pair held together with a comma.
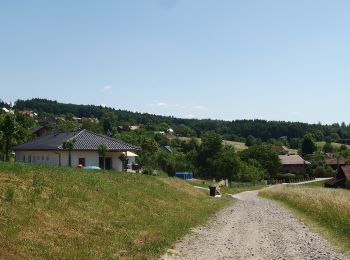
x: 237, y: 145
x: 315, y: 184
x: 335, y: 145
x: 327, y: 209
x: 51, y: 212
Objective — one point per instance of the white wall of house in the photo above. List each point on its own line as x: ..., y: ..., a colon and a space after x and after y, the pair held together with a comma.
x: 44, y: 157
x: 52, y: 158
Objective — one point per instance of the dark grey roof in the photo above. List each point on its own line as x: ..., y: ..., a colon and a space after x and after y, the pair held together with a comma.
x: 36, y: 129
x: 84, y: 140
x: 166, y: 148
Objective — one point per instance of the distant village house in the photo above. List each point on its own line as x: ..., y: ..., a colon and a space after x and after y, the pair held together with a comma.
x: 293, y: 164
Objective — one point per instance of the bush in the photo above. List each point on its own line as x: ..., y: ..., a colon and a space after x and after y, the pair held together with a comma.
x: 250, y: 173
x: 322, y: 172
x: 147, y: 171
x: 347, y: 184
x: 9, y: 194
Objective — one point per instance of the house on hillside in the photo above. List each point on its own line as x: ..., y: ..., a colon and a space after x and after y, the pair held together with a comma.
x: 280, y: 149
x: 39, y: 131
x: 293, y: 164
x: 134, y: 127
x: 48, y: 149
x: 333, y: 161
x: 166, y: 148
x: 28, y: 113
x: 340, y: 179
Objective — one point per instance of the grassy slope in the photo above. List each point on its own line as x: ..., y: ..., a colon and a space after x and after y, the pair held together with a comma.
x: 69, y: 213
x: 316, y: 184
x: 336, y: 145
x: 326, y: 209
x: 237, y: 145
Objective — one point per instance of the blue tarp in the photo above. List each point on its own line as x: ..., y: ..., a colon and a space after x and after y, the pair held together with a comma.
x: 184, y: 175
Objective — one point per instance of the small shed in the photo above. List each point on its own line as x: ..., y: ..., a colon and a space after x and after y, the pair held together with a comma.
x: 340, y: 179
x: 184, y: 175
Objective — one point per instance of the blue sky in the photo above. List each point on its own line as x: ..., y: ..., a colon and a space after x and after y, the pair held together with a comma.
x: 225, y: 59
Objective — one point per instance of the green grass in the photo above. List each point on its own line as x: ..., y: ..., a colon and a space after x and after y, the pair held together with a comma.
x: 50, y: 212
x: 336, y: 145
x: 316, y: 184
x: 326, y: 210
x: 236, y: 188
x: 237, y: 145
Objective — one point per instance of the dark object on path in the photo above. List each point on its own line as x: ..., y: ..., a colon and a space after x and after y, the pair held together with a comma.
x: 212, y: 190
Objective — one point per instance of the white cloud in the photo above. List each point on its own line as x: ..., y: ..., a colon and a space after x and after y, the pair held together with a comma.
x: 199, y: 107
x: 189, y: 116
x: 107, y: 88
x: 167, y: 105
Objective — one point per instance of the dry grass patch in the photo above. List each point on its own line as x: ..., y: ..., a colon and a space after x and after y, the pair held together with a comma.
x: 328, y: 208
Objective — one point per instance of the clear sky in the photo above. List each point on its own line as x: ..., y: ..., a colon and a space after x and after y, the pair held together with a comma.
x: 225, y: 59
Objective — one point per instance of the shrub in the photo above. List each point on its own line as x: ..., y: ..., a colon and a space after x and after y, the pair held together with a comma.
x: 250, y: 173
x: 347, y: 184
x: 321, y: 171
x: 147, y: 171
x: 9, y: 194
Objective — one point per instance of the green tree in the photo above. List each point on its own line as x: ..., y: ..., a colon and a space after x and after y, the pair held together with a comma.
x: 102, y: 150
x: 8, y: 128
x: 69, y: 145
x: 226, y: 164
x: 328, y: 148
x: 251, y: 171
x: 265, y: 156
x: 209, y: 150
x: 183, y: 130
x: 343, y: 148
x: 308, y: 145
x: 166, y: 163
x: 108, y: 122
x: 335, y: 137
x: 251, y: 140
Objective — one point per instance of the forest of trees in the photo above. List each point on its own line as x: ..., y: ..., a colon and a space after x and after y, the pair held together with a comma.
x: 206, y: 157
x: 237, y: 130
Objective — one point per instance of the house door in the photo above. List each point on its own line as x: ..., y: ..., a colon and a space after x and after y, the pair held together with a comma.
x: 107, y: 163
x: 81, y: 161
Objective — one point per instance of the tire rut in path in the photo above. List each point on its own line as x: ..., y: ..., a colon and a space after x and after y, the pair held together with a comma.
x: 253, y: 228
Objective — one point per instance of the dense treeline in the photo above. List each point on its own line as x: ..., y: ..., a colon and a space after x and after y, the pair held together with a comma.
x: 206, y: 157
x: 237, y: 130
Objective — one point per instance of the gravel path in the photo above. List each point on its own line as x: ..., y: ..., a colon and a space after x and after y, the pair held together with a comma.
x: 253, y: 228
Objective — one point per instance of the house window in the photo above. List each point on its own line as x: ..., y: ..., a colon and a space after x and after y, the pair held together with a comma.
x: 38, y: 157
x: 82, y: 161
x: 29, y: 158
x: 24, y: 158
x: 47, y: 158
x: 42, y: 158
x: 107, y: 163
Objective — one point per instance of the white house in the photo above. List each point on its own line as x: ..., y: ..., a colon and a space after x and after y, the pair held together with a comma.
x: 48, y: 149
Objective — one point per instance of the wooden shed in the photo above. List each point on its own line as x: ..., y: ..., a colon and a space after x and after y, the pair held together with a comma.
x: 340, y: 179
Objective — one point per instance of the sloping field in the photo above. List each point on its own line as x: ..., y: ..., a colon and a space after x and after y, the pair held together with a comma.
x: 237, y: 145
x: 50, y: 212
x: 336, y: 145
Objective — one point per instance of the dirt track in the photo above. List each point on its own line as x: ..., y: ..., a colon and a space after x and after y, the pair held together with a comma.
x: 253, y: 228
